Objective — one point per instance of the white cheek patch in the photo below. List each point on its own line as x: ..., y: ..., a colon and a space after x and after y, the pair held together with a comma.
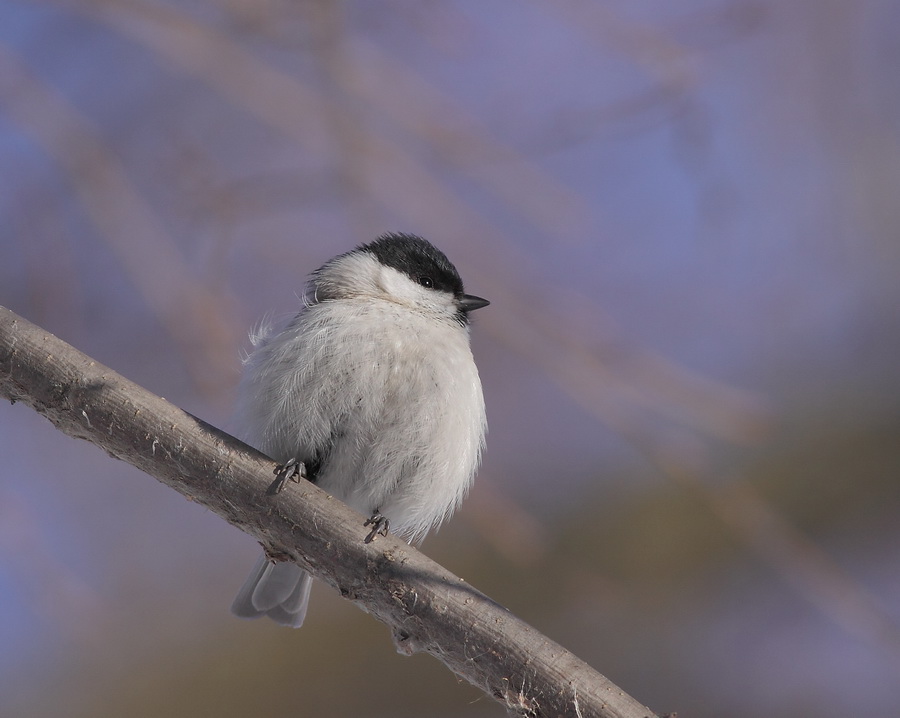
x: 395, y: 284
x: 398, y: 287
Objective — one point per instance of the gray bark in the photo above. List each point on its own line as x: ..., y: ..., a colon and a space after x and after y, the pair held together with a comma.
x: 426, y: 607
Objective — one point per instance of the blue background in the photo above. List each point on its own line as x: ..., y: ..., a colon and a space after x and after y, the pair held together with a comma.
x: 686, y: 218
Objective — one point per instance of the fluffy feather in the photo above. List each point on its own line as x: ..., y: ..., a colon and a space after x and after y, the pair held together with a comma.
x: 373, y: 384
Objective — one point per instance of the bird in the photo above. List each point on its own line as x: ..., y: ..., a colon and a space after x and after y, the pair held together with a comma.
x: 372, y: 393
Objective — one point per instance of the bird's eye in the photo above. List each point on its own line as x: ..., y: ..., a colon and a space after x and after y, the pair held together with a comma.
x: 426, y: 282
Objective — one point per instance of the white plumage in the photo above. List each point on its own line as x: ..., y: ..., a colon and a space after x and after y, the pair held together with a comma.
x: 373, y: 386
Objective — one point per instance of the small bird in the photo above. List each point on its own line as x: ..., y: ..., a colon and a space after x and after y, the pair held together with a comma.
x: 371, y: 393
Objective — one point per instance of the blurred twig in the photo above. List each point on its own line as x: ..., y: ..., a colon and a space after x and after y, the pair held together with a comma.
x: 193, y: 315
x: 389, y: 173
x: 624, y: 386
x: 395, y: 91
x: 800, y: 562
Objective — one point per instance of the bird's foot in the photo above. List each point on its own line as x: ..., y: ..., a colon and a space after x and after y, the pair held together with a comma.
x: 379, y: 525
x: 292, y: 470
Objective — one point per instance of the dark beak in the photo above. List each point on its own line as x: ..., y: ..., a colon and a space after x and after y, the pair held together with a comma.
x: 469, y: 302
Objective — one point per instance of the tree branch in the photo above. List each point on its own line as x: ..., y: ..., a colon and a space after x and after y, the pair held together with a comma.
x: 427, y: 607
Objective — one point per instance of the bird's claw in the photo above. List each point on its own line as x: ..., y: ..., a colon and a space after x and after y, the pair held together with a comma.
x: 379, y: 525
x: 292, y: 470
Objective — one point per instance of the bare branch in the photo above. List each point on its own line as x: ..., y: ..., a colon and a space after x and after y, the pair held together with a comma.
x: 427, y: 607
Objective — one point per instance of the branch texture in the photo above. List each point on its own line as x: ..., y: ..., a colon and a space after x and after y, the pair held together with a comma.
x: 427, y: 607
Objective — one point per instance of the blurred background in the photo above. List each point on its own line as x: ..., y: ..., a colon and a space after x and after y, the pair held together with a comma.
x: 686, y: 217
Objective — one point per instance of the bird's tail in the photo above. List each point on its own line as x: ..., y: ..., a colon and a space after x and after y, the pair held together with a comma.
x: 278, y: 590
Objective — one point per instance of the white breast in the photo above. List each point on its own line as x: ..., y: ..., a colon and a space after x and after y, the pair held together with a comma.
x: 393, y: 396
